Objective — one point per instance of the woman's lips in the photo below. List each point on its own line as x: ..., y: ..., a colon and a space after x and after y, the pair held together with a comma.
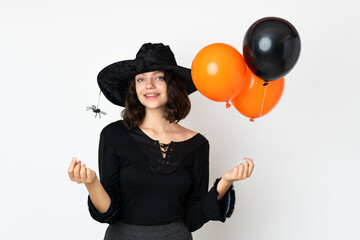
x: 151, y: 95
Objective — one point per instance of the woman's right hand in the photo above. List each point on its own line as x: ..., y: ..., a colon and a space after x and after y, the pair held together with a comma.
x: 79, y: 173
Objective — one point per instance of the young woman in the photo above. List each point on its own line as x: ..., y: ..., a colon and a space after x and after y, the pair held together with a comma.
x: 154, y: 173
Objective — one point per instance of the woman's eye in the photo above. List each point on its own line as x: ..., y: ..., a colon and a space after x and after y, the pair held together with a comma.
x: 140, y: 80
x: 160, y: 78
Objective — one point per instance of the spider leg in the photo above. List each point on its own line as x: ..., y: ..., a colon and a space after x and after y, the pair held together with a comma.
x: 90, y: 108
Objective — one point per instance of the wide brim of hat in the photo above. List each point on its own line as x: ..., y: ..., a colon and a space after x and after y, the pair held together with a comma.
x: 114, y: 80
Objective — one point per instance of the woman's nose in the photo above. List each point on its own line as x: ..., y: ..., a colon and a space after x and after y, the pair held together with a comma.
x: 150, y: 84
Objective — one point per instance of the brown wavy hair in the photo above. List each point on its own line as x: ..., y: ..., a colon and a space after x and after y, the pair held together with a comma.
x: 177, y: 107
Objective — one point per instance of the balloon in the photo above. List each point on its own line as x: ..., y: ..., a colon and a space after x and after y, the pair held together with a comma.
x: 271, y: 48
x: 218, y: 72
x: 252, y: 101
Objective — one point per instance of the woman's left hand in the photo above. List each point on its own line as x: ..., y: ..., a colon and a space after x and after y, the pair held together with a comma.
x: 239, y: 172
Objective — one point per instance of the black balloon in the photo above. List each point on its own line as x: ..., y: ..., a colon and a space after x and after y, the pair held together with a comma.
x: 271, y: 48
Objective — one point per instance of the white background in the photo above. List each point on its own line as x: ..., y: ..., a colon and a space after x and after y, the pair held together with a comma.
x: 306, y: 181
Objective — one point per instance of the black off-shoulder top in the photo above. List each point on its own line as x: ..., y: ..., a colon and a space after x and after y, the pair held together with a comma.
x: 148, y: 188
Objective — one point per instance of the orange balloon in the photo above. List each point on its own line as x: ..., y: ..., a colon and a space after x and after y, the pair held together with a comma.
x: 218, y: 72
x: 252, y: 101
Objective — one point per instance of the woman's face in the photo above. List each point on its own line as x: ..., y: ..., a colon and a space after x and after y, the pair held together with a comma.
x: 151, y: 89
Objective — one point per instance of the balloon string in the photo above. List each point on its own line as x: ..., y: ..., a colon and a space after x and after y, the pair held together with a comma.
x: 253, y: 133
x: 262, y: 105
x: 235, y: 122
x: 254, y: 130
x: 254, y: 127
x: 97, y: 107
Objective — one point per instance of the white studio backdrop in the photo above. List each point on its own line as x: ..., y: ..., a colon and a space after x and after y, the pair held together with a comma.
x: 306, y: 180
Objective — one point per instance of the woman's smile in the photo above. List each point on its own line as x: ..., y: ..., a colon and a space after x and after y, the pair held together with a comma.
x: 152, y: 95
x: 151, y: 89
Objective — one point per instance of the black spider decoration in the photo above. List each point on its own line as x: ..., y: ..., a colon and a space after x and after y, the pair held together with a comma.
x: 96, y: 109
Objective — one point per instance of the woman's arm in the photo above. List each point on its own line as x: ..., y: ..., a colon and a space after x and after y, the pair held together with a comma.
x: 222, y: 188
x: 203, y: 205
x: 98, y: 196
x: 239, y: 172
x: 80, y: 174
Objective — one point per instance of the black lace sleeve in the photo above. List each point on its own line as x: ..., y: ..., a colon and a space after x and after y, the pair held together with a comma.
x: 203, y: 204
x: 109, y: 175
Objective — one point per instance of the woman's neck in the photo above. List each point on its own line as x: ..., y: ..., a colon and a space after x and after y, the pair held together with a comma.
x: 154, y: 119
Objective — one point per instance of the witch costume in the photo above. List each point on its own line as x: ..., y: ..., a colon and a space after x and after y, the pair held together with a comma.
x: 153, y: 197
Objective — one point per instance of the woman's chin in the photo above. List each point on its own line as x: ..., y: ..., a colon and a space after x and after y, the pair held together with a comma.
x: 154, y: 106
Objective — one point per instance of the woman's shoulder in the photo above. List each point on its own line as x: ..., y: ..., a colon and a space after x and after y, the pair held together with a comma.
x: 192, y: 142
x: 188, y: 134
x: 113, y: 128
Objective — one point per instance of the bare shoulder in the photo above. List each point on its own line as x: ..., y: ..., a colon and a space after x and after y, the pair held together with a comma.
x: 185, y: 132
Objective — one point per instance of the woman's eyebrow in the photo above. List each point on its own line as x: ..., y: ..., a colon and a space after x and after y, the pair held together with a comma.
x: 139, y: 75
x: 154, y: 73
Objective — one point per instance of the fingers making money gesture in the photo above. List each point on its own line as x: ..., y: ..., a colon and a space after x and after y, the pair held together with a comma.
x: 79, y: 173
x: 240, y: 171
